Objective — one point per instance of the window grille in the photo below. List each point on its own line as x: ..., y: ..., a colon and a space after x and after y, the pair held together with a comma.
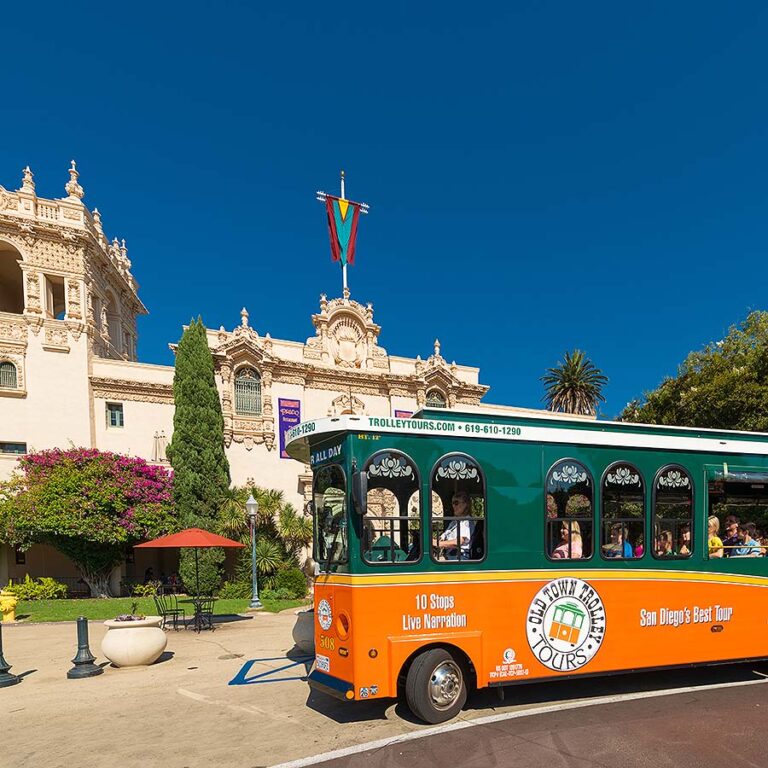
x: 8, y: 377
x: 248, y: 392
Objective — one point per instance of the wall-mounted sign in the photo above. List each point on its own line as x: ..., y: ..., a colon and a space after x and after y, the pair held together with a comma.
x: 289, y: 416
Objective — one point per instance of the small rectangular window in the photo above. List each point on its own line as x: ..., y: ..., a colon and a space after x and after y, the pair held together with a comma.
x: 17, y: 448
x: 21, y: 557
x: 115, y: 415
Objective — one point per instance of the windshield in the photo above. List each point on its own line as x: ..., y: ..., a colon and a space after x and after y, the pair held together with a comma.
x: 330, y: 517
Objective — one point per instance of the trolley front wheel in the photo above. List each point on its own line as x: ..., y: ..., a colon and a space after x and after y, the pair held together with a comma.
x: 436, y: 687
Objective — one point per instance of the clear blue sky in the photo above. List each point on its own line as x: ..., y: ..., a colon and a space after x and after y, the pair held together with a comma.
x: 542, y: 176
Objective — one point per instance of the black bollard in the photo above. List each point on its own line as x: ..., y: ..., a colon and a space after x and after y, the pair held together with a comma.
x: 83, y: 661
x: 6, y: 678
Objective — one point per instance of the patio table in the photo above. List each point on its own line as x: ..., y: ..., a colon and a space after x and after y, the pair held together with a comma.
x: 200, y: 620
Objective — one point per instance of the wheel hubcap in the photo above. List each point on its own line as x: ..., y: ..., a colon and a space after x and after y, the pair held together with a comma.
x: 445, y: 684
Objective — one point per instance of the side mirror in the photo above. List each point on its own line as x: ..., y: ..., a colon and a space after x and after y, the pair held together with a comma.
x: 360, y: 491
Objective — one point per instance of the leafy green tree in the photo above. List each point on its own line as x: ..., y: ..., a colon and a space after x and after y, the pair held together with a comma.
x: 91, y: 506
x: 196, y: 451
x: 723, y: 386
x: 574, y: 385
x: 282, y: 533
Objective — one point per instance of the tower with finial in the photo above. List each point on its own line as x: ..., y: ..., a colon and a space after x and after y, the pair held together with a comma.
x: 72, y: 187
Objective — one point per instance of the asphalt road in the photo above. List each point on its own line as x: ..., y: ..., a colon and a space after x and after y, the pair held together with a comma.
x: 709, y: 728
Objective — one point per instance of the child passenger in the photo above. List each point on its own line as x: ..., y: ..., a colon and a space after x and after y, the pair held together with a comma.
x: 714, y: 542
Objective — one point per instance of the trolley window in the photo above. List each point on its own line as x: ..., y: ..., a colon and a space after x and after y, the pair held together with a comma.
x: 329, y: 494
x: 457, y: 510
x: 738, y: 502
x: 392, y: 522
x: 568, y: 511
x: 672, y: 513
x: 623, y: 512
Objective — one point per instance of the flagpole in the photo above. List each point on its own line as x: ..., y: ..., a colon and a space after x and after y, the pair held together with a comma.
x: 345, y: 289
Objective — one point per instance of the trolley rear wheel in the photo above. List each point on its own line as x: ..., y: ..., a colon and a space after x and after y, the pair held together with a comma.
x: 436, y: 686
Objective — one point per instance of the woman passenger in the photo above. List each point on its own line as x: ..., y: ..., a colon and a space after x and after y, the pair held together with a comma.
x: 715, y: 543
x: 664, y: 544
x: 570, y: 546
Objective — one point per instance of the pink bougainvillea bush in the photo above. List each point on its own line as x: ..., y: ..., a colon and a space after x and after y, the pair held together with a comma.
x: 91, y: 505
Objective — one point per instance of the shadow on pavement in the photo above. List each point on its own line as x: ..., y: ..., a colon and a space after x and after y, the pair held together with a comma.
x: 489, y: 700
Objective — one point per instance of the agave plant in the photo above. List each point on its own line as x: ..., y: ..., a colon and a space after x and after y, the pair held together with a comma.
x: 574, y: 385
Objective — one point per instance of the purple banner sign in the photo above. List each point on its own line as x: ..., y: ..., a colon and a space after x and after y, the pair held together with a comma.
x: 290, y: 416
x: 403, y: 414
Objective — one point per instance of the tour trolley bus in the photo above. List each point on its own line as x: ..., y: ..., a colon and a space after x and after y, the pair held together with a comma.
x: 477, y: 548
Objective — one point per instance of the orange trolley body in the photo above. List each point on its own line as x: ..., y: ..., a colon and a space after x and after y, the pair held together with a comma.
x: 413, y: 601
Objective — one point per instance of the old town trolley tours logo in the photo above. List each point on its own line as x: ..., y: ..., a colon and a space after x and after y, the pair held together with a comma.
x: 565, y: 624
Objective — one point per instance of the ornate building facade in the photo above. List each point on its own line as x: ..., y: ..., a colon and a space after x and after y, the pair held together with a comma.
x: 69, y: 373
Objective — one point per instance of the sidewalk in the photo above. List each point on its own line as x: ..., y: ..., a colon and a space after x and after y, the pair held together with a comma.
x: 180, y: 711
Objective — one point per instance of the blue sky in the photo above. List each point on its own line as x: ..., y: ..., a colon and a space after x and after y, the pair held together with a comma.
x: 542, y: 176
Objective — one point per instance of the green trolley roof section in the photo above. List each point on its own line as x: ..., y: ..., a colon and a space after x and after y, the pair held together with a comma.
x: 487, y: 424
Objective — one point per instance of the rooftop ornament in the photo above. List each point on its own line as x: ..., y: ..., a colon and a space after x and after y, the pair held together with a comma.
x: 72, y: 187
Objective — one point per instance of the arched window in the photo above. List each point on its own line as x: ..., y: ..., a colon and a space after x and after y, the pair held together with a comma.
x: 672, y: 513
x: 248, y: 392
x: 330, y: 521
x: 568, y: 511
x: 392, y: 523
x: 11, y: 280
x: 435, y: 399
x: 8, y: 376
x: 457, y: 513
x: 623, y: 512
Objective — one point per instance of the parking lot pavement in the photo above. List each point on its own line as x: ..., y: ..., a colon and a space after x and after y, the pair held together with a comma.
x: 183, y: 711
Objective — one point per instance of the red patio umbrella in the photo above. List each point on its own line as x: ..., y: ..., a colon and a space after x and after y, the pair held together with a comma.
x: 191, y: 538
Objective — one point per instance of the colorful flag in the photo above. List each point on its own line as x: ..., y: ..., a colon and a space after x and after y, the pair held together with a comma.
x: 342, y: 227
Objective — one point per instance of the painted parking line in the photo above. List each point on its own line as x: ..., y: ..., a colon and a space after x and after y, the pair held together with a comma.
x: 461, y: 724
x: 242, y: 678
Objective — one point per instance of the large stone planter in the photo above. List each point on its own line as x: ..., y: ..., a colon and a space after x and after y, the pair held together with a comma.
x: 304, y: 631
x: 134, y: 643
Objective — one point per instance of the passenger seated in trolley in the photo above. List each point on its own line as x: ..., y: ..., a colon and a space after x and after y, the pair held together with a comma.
x: 570, y: 546
x: 714, y: 542
x: 453, y: 543
x: 664, y: 546
x: 749, y: 546
x: 618, y: 546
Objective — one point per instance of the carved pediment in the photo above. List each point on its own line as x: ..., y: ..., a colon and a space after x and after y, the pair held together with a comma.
x: 345, y: 336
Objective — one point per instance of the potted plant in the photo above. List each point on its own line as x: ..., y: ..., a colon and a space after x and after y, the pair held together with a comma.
x: 133, y: 640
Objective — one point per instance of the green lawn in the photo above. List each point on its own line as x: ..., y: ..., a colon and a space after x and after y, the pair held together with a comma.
x: 108, y: 608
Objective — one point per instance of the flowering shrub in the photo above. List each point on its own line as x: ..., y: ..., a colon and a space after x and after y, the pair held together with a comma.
x: 89, y: 504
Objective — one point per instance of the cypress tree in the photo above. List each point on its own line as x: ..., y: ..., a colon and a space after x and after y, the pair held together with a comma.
x: 196, y: 452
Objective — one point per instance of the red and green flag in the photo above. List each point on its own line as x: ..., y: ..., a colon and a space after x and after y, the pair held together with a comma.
x: 343, y: 216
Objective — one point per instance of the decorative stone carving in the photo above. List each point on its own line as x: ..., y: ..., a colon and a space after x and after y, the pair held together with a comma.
x: 74, y: 309
x: 33, y: 293
x: 13, y: 330
x: 347, y: 404
x: 123, y: 389
x: 72, y: 187
x: 56, y: 337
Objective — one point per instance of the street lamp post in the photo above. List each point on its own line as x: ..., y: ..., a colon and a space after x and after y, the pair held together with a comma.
x: 252, y: 508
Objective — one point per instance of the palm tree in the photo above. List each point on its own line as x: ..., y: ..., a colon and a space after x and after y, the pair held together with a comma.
x: 574, y: 385
x: 282, y: 533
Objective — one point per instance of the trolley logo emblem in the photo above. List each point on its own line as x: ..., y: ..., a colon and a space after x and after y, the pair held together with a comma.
x: 565, y: 624
x: 325, y: 614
